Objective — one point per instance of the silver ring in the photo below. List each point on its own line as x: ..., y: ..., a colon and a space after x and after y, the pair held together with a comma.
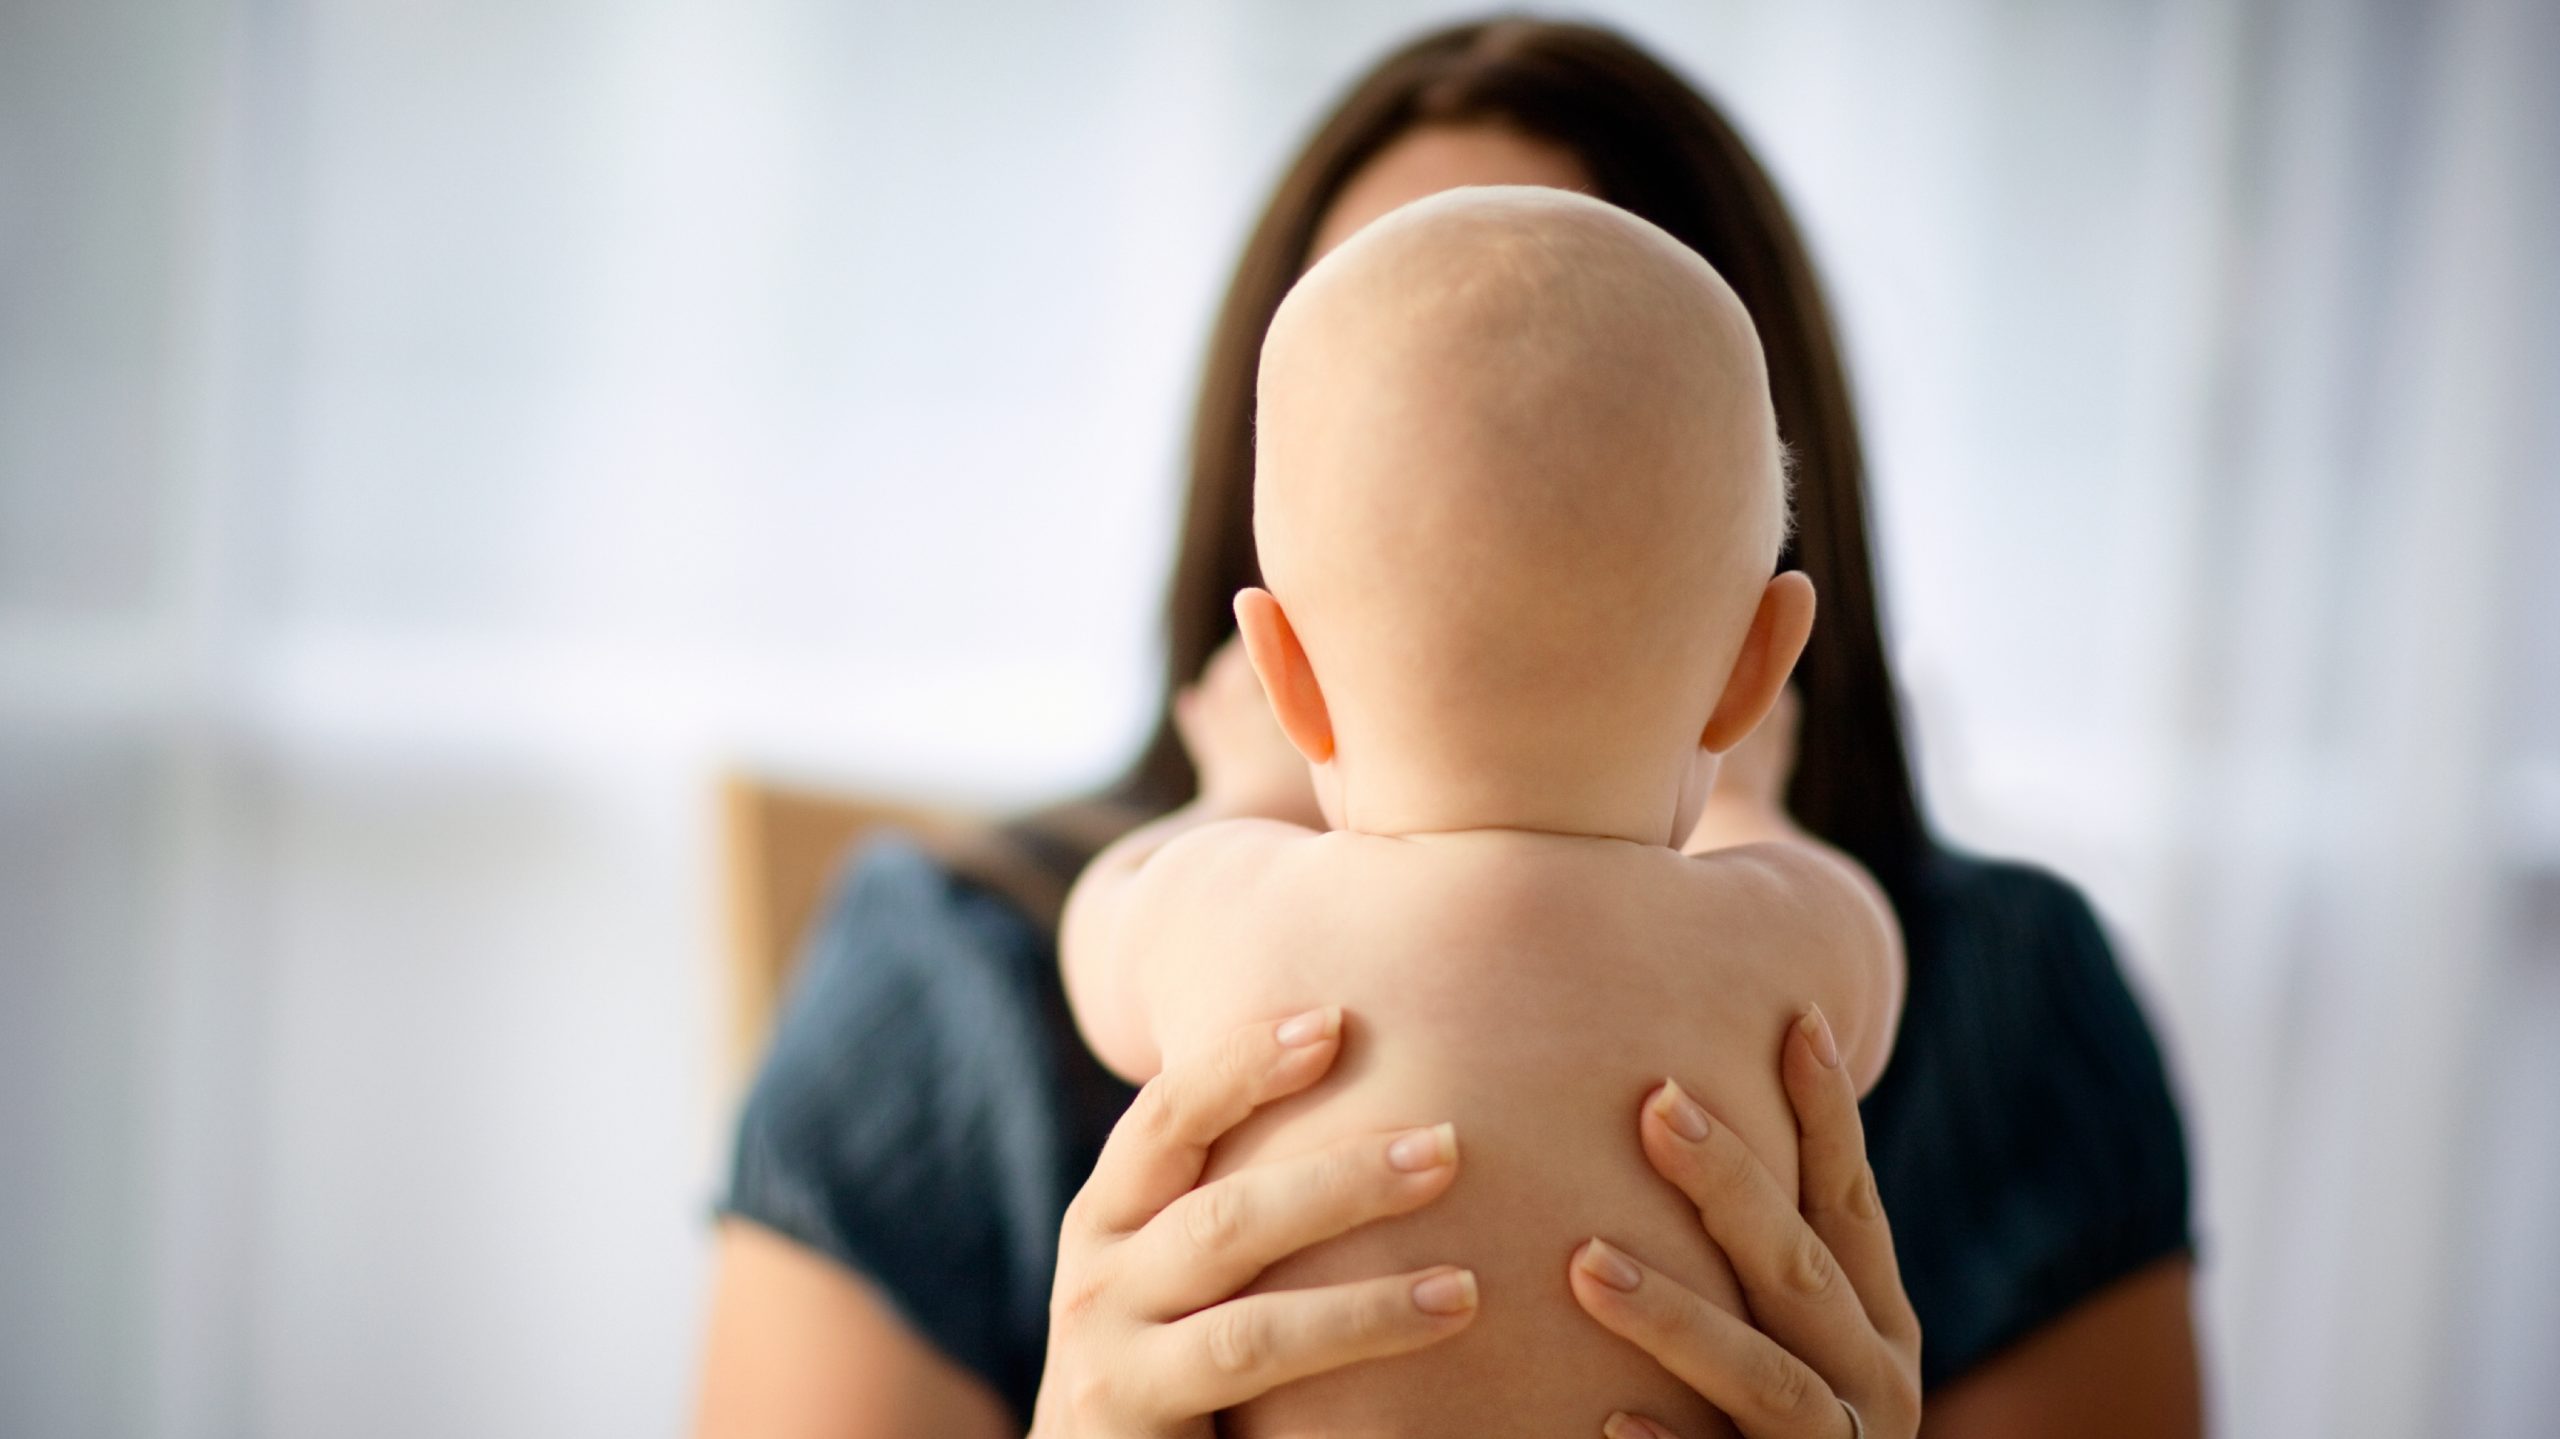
x: 1857, y: 1426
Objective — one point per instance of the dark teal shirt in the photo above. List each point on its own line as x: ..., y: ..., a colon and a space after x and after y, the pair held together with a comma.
x: 927, y: 1110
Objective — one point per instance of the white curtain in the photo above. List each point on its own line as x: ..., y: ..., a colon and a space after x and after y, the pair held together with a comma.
x: 434, y: 437
x: 2354, y: 924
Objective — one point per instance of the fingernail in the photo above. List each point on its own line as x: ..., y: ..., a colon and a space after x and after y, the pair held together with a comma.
x: 1301, y: 1030
x: 1423, y: 1149
x: 1628, y: 1426
x: 1451, y: 1291
x: 1680, y: 1111
x: 1610, y: 1267
x: 1817, y: 1032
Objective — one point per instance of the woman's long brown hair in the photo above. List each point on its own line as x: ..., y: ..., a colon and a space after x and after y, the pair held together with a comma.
x: 1654, y: 145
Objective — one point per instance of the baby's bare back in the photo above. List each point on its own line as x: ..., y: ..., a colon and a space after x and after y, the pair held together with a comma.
x: 1532, y: 990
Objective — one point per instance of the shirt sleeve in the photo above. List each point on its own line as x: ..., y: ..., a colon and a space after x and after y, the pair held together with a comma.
x: 2026, y: 1140
x: 905, y: 1122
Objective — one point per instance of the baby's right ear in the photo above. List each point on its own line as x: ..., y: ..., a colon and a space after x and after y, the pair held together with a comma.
x: 1280, y: 662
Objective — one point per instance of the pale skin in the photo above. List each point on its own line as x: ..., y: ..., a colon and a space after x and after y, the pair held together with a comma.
x: 799, y: 1346
x: 1516, y: 466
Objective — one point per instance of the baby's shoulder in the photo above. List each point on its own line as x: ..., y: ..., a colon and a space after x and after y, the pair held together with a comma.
x: 1230, y: 866
x: 1799, y: 885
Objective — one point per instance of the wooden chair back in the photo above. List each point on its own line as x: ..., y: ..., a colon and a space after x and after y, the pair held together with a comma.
x: 781, y: 845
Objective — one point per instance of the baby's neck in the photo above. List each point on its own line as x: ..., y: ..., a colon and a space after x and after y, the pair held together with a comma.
x: 1514, y: 838
x: 1554, y: 815
x: 1592, y: 791
x: 1734, y: 817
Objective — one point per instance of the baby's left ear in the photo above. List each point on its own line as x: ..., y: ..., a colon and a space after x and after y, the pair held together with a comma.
x: 1779, y: 628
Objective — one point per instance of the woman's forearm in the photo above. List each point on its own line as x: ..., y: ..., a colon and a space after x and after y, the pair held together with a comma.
x: 2122, y: 1363
x: 800, y: 1347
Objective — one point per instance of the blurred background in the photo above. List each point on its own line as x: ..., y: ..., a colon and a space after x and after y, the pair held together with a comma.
x: 438, y: 437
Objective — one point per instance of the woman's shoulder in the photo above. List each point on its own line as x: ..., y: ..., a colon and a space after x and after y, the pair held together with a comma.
x: 2026, y: 1138
x: 1978, y: 895
x: 914, y: 1118
x: 901, y: 921
x: 909, y: 972
x: 2000, y: 939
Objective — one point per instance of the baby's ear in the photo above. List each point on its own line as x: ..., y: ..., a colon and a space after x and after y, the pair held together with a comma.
x: 1779, y: 628
x: 1280, y: 662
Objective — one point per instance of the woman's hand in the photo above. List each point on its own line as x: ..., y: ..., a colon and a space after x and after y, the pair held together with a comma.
x: 1246, y: 764
x: 1146, y: 1337
x: 1837, y: 1350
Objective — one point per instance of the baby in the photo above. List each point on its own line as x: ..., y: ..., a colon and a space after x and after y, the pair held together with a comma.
x: 1519, y: 492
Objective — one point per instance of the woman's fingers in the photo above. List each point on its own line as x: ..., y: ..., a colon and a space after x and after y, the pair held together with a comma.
x: 1212, y: 1241
x: 1247, y: 1347
x: 1141, y: 1246
x: 1839, y: 1187
x: 1766, y: 1391
x: 1794, y: 1287
x: 1821, y: 1284
x: 1156, y: 1152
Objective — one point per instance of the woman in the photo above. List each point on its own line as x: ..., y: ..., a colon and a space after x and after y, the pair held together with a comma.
x: 904, y: 1167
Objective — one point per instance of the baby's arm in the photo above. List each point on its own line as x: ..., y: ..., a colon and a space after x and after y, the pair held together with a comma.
x: 1856, y: 965
x: 1838, y: 930
x: 1173, y: 888
x: 1140, y: 916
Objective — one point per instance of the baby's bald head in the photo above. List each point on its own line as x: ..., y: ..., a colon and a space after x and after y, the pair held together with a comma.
x: 1518, y: 483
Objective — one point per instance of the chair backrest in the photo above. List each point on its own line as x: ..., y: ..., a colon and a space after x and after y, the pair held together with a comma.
x: 781, y: 845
